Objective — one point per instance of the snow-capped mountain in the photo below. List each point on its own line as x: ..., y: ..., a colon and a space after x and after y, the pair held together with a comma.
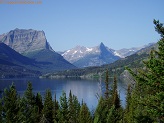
x: 127, y: 52
x: 82, y: 56
x: 95, y: 56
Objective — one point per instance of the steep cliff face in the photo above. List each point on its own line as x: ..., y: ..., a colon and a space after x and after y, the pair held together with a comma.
x: 33, y: 44
x: 26, y: 41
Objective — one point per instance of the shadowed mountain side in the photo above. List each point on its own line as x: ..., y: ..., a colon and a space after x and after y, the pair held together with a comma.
x: 33, y: 44
x: 11, y: 58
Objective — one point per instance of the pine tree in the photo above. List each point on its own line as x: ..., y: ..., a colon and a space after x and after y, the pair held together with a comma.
x: 85, y: 116
x: 63, y: 114
x: 104, y: 104
x: 48, y: 108
x: 114, y: 114
x: 127, y: 107
x: 149, y: 86
x: 56, y: 110
x: 39, y: 105
x: 28, y: 108
x: 10, y: 105
x: 100, y: 114
x: 71, y: 108
x: 77, y: 108
x: 107, y: 86
x: 115, y: 96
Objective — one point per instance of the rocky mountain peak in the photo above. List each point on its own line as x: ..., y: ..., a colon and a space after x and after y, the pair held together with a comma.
x: 94, y: 56
x: 102, y: 45
x: 26, y: 40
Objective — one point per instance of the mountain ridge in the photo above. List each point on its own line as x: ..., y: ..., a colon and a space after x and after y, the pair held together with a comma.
x: 34, y: 45
x: 116, y: 68
x: 94, y: 56
x: 26, y: 40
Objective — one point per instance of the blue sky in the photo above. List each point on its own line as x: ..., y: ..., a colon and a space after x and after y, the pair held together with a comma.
x: 67, y: 23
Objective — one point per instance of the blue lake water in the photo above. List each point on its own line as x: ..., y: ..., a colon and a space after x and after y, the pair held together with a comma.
x: 85, y: 90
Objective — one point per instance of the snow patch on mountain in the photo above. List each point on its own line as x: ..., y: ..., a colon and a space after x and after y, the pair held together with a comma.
x: 90, y: 56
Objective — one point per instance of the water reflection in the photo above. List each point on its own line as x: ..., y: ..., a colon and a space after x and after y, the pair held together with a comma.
x: 85, y: 90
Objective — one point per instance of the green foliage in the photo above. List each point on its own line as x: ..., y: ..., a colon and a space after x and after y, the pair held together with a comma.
x: 109, y: 108
x: 73, y: 108
x: 114, y: 95
x: 63, y: 116
x: 10, y: 105
x: 147, y: 99
x: 107, y: 85
x: 56, y: 110
x: 28, y: 108
x: 114, y: 115
x: 39, y: 105
x: 101, y: 111
x: 144, y: 101
x: 85, y: 115
x: 47, y: 113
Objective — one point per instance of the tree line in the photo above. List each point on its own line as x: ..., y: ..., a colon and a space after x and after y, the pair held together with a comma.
x: 144, y: 99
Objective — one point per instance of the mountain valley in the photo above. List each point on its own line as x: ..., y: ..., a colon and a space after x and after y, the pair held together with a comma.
x: 28, y: 50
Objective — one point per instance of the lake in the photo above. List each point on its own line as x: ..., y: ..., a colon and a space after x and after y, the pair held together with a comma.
x: 85, y: 90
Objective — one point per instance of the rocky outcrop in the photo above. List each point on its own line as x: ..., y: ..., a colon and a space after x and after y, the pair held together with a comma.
x: 33, y: 44
x: 25, y: 41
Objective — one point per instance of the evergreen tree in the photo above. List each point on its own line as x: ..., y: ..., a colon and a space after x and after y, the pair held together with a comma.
x: 48, y: 108
x: 77, y: 108
x: 100, y: 114
x: 10, y: 105
x: 112, y: 115
x: 85, y: 116
x: 71, y: 108
x: 56, y: 110
x: 39, y: 105
x: 28, y: 108
x: 63, y: 114
x: 149, y: 86
x: 115, y: 96
x: 107, y: 86
x: 127, y: 107
x: 128, y: 97
x: 115, y: 112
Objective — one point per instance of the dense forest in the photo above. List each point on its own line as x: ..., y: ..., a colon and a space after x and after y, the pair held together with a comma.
x: 144, y: 101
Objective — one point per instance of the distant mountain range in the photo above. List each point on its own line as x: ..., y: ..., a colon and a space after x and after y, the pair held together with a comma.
x: 27, y: 52
x: 127, y: 52
x: 33, y: 44
x: 82, y: 56
x: 116, y: 68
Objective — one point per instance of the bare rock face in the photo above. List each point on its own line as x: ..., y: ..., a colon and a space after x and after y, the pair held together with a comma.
x: 26, y: 41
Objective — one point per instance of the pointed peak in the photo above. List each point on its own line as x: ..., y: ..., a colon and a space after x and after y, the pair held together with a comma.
x: 16, y: 29
x: 102, y: 44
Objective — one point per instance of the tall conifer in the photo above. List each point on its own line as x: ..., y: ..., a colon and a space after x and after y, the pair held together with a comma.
x: 150, y: 84
x: 48, y: 108
x: 10, y: 105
